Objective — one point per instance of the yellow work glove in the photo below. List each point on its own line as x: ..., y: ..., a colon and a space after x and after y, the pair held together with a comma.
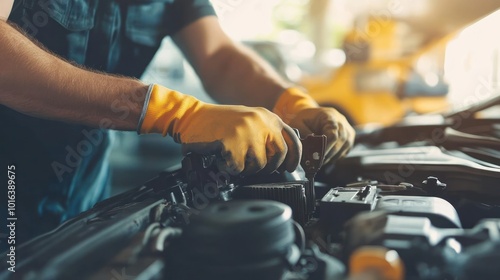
x: 299, y: 110
x: 245, y: 139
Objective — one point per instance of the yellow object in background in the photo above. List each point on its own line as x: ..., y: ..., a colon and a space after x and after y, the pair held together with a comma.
x: 376, y: 261
x: 360, y: 103
x: 379, y: 83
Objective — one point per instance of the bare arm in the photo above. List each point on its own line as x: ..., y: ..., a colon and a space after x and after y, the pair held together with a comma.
x: 235, y: 75
x: 37, y: 83
x: 34, y: 82
x: 231, y: 73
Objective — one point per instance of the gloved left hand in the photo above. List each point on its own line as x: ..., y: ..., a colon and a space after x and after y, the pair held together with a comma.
x: 300, y: 111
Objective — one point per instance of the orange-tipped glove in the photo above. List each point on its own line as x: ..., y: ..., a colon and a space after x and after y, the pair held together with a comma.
x: 299, y: 110
x: 246, y: 139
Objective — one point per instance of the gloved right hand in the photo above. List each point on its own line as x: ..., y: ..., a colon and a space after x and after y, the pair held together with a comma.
x: 245, y: 139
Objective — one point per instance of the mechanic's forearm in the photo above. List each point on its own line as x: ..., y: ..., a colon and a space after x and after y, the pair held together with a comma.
x: 236, y: 69
x: 37, y: 83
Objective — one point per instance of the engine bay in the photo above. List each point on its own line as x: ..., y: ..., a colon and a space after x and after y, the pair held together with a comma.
x: 406, y: 207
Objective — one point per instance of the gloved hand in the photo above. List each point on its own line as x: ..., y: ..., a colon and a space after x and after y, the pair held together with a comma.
x: 245, y: 139
x: 299, y: 110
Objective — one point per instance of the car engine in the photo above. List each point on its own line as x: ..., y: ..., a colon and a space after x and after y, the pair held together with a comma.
x: 402, y: 205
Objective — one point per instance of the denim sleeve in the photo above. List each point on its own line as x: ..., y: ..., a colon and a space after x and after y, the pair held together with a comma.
x: 183, y: 12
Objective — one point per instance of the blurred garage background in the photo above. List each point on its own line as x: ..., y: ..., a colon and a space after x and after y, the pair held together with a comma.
x: 376, y: 61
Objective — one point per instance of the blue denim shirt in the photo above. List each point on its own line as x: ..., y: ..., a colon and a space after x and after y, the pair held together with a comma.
x: 62, y: 168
